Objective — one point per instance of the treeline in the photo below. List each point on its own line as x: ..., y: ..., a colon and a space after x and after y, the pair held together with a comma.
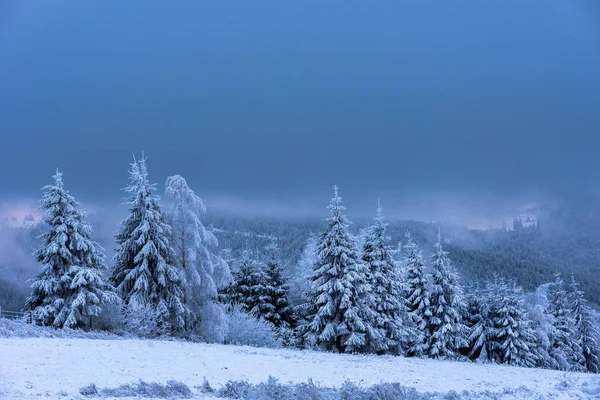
x: 349, y: 295
x: 361, y: 300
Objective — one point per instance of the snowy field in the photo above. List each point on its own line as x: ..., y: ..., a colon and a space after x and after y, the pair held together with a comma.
x: 49, y: 368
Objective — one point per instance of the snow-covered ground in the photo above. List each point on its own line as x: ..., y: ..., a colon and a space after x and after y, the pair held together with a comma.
x: 50, y: 368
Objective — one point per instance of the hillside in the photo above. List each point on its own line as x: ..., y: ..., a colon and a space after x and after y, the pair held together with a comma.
x: 57, y: 368
x: 565, y: 242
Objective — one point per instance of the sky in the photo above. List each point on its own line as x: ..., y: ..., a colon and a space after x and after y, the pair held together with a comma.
x: 436, y: 107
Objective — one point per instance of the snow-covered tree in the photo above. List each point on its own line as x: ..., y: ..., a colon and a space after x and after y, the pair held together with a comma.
x: 564, y: 348
x: 300, y: 286
x: 447, y: 332
x: 247, y: 290
x: 341, y: 316
x: 388, y: 304
x: 70, y: 288
x: 513, y: 335
x: 586, y: 333
x: 281, y: 314
x: 144, y: 274
x: 417, y: 296
x: 481, y: 325
x: 502, y: 332
x: 195, y: 253
x: 541, y: 323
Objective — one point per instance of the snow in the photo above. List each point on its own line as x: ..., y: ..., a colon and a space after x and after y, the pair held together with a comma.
x: 50, y: 368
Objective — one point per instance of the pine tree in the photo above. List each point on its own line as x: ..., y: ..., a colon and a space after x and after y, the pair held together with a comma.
x: 417, y: 297
x: 586, y: 333
x: 341, y: 315
x: 70, y: 288
x: 248, y: 289
x: 481, y: 325
x: 144, y: 274
x: 501, y: 331
x: 513, y: 335
x: 542, y: 326
x: 280, y: 315
x: 194, y: 249
x: 300, y: 286
x: 386, y: 286
x: 446, y: 329
x: 564, y: 349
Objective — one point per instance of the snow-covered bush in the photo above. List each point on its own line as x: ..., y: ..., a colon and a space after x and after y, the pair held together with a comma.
x: 142, y: 389
x: 245, y: 329
x: 273, y: 389
x: 142, y: 320
x: 213, y: 327
x: 21, y: 329
x: 111, y: 319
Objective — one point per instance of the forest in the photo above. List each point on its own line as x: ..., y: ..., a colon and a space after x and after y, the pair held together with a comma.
x: 404, y: 288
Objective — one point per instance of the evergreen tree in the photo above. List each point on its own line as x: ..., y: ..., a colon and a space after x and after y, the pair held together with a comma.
x: 384, y: 279
x: 417, y: 297
x: 513, y: 335
x: 300, y: 286
x: 447, y: 333
x: 542, y: 326
x: 280, y: 313
x: 248, y: 289
x: 501, y: 332
x: 586, y: 333
x: 481, y: 325
x: 70, y: 288
x: 565, y: 349
x: 144, y: 274
x: 341, y: 315
x: 194, y: 249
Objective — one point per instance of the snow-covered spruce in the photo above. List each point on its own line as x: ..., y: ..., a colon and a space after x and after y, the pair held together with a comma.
x: 586, y: 333
x: 542, y: 324
x: 299, y: 276
x: 385, y: 281
x: 276, y: 289
x: 480, y: 324
x: 248, y: 290
x: 144, y: 274
x: 502, y: 333
x: 564, y: 347
x: 195, y: 253
x: 513, y: 332
x: 417, y: 297
x: 70, y: 288
x: 447, y: 333
x: 341, y: 315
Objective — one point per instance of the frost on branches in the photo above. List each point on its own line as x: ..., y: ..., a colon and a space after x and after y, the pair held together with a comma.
x: 144, y: 274
x: 341, y: 317
x: 194, y: 250
x: 502, y: 331
x: 70, y: 288
x: 384, y: 279
x: 564, y: 347
x: 280, y: 313
x: 447, y: 333
x: 416, y: 296
x: 247, y: 291
x: 586, y: 333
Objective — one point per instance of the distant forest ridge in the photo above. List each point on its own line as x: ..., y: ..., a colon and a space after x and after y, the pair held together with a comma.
x: 565, y: 240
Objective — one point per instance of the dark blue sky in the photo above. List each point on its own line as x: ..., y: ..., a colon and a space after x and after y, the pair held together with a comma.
x: 279, y: 99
